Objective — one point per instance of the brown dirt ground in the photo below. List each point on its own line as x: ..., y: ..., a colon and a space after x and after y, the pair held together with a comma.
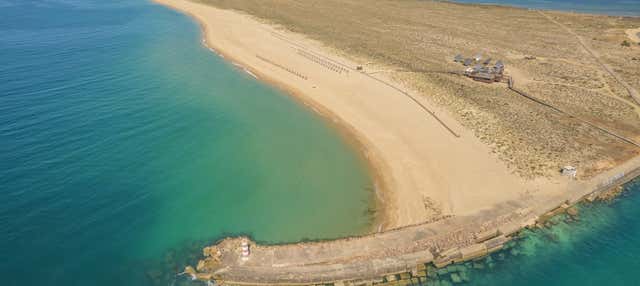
x: 406, y: 37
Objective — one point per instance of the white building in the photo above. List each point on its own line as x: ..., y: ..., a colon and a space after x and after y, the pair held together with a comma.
x: 569, y: 171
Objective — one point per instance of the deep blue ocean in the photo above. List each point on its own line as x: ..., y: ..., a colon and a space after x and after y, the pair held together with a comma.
x: 126, y: 146
x: 608, y: 7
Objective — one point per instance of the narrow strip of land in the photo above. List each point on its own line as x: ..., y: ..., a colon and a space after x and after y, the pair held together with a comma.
x: 405, y: 250
x: 427, y: 164
x: 447, y: 197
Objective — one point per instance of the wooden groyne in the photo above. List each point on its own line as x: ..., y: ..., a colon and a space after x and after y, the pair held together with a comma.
x: 399, y: 256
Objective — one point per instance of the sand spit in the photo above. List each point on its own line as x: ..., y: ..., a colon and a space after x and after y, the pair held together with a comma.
x: 424, y: 170
x: 574, y: 61
x: 444, y: 196
x: 401, y: 254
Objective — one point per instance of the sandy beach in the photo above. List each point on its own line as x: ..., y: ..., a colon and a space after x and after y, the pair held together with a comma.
x: 459, y: 166
x: 634, y: 35
x: 426, y: 166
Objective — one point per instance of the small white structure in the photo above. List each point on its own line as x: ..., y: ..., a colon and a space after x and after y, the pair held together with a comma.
x: 569, y: 171
x: 245, y: 251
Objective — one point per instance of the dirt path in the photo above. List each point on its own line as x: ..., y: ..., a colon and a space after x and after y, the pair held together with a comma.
x: 426, y: 164
x: 596, y: 56
x: 449, y: 198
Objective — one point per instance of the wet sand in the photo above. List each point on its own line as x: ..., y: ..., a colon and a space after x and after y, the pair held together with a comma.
x: 427, y: 166
x: 443, y: 197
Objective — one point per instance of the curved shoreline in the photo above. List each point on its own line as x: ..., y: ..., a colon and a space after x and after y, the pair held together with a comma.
x: 403, y: 254
x: 446, y: 199
x: 421, y: 169
x: 374, y: 165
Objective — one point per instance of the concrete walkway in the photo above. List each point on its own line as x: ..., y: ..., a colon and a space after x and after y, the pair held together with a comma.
x: 366, y: 259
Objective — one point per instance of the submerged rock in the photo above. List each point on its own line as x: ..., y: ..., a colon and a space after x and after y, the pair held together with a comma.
x: 456, y: 278
x: 459, y: 268
x: 155, y: 276
x: 443, y: 271
x: 611, y: 194
x: 465, y: 276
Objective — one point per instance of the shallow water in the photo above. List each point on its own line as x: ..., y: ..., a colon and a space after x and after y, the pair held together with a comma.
x: 599, y: 247
x: 608, y: 7
x: 126, y: 146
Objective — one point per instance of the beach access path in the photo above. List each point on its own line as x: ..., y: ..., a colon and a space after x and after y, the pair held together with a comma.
x: 426, y: 165
x: 633, y: 93
x: 444, y: 196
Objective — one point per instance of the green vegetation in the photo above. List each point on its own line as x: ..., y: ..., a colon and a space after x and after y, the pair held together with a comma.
x: 414, y: 36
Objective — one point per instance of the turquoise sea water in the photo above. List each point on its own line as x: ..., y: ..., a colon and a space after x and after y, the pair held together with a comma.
x: 609, y: 7
x: 126, y: 146
x: 600, y: 246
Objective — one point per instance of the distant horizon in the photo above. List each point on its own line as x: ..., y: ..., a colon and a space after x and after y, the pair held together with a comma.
x: 627, y: 8
x: 281, y: 142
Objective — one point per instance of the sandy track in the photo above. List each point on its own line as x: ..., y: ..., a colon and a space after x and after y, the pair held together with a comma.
x: 427, y: 166
x: 423, y: 170
x: 633, y: 93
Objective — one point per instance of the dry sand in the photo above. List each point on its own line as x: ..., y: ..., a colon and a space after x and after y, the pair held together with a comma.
x: 424, y: 171
x: 634, y: 35
x: 573, y: 61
